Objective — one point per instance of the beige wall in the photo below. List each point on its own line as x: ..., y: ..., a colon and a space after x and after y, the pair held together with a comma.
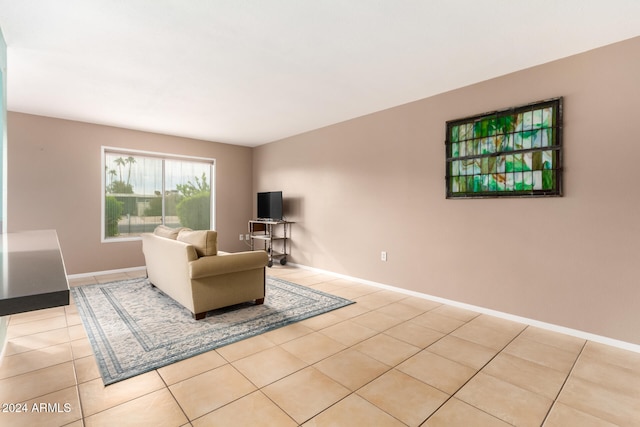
x: 54, y: 182
x: 377, y: 183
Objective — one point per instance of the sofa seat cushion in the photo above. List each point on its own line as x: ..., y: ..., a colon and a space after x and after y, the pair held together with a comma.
x: 227, y: 263
x: 204, y: 241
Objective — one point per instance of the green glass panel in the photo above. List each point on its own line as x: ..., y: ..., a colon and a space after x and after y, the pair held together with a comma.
x: 537, y: 180
x: 518, y: 181
x: 537, y: 160
x: 536, y: 138
x: 454, y: 185
x: 501, y: 124
x: 547, y: 159
x: 462, y: 149
x: 537, y: 119
x: 547, y: 117
x: 493, y: 164
x: 509, y: 186
x: 501, y: 181
x: 517, y: 141
x: 477, y: 166
x: 470, y: 148
x: 493, y: 182
x: 527, y: 178
x: 527, y: 140
x: 527, y: 121
x: 519, y: 122
x: 547, y: 137
x: 517, y: 162
x: 492, y: 144
x: 484, y: 165
x: 455, y: 149
x: 513, y: 123
x: 462, y: 183
x: 509, y: 163
x: 462, y: 133
x: 477, y: 147
x: 469, y: 184
x: 508, y: 142
x: 485, y: 182
x: 486, y: 127
x: 501, y: 162
x: 477, y: 183
x: 477, y: 129
x: 455, y: 168
x: 466, y: 167
x: 500, y: 142
x: 454, y: 133
x: 493, y: 126
x: 527, y: 161
x: 548, y: 180
x: 506, y: 124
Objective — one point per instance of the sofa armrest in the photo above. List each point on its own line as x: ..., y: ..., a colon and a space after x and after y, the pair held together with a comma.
x: 227, y: 263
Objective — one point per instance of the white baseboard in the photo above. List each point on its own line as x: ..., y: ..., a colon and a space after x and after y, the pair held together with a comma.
x: 532, y: 322
x: 103, y: 273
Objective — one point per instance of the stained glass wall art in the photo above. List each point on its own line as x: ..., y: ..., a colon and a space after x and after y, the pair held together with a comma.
x: 516, y: 152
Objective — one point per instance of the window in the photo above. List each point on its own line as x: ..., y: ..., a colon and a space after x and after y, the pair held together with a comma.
x: 143, y: 190
x: 515, y: 152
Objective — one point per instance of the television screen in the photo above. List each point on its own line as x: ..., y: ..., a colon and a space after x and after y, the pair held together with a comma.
x: 270, y: 205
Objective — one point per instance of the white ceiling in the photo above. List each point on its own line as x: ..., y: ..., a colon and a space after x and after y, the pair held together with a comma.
x: 250, y: 72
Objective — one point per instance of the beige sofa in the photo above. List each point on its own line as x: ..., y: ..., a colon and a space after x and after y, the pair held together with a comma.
x: 186, y: 265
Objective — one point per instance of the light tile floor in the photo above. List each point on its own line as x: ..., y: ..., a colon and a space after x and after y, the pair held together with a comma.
x: 389, y: 360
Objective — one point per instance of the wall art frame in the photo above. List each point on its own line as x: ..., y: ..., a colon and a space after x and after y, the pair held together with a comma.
x: 514, y: 152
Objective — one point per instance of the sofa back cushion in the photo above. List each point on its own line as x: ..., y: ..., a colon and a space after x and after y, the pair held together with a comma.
x: 167, y: 232
x: 204, y: 241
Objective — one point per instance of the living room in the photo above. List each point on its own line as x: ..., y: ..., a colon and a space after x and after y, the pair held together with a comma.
x: 376, y: 183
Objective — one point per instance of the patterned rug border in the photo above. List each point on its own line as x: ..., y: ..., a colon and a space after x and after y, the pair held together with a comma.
x: 266, y: 319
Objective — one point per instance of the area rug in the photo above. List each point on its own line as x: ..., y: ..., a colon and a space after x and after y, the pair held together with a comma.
x: 135, y: 328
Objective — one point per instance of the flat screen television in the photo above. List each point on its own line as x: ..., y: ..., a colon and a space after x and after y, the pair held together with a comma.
x: 270, y: 205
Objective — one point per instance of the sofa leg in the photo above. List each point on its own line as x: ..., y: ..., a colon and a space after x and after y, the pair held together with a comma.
x: 260, y: 301
x: 199, y: 316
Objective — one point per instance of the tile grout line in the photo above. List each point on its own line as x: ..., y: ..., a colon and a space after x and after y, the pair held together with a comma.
x: 397, y: 364
x: 354, y: 392
x: 555, y: 400
x: 259, y: 389
x: 580, y: 356
x: 474, y: 375
x: 75, y: 372
x: 166, y: 386
x: 230, y: 363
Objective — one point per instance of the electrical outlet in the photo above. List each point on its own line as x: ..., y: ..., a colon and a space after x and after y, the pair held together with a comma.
x: 247, y: 237
x: 242, y: 237
x: 383, y: 256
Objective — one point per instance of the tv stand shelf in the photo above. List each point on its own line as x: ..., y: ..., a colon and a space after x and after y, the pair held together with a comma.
x: 269, y: 231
